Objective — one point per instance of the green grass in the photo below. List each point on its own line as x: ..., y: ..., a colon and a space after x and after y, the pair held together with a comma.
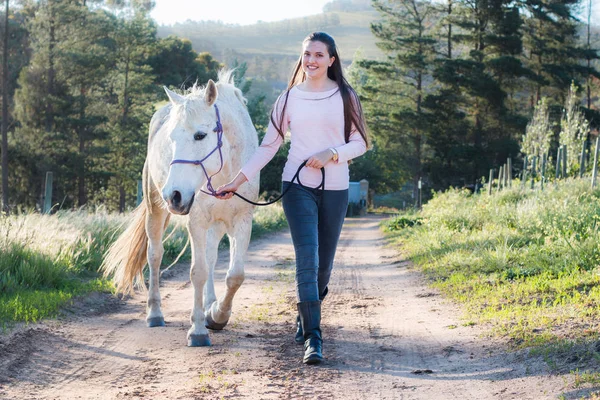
x: 524, y: 262
x: 45, y: 261
x: 268, y: 219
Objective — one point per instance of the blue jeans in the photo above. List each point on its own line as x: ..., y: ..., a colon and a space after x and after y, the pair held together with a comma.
x: 315, y: 218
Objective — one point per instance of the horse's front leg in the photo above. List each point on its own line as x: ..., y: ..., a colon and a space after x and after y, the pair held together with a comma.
x: 198, y: 334
x: 214, y: 235
x: 239, y: 238
x: 155, y: 226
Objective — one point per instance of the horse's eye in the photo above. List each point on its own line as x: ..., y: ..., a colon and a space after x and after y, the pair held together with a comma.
x: 199, y: 135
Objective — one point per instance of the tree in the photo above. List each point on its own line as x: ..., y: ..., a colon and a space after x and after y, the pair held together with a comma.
x: 387, y: 165
x: 130, y: 96
x: 5, y: 111
x: 554, y: 53
x: 175, y: 63
x: 574, y: 128
x: 43, y: 102
x: 404, y: 35
x: 538, y: 136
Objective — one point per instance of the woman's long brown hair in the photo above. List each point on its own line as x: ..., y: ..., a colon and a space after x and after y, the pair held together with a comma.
x: 353, y: 113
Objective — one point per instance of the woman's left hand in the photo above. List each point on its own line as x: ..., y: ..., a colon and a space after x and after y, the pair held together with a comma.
x: 320, y: 159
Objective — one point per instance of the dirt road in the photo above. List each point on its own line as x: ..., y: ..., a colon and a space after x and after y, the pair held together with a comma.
x: 387, y: 336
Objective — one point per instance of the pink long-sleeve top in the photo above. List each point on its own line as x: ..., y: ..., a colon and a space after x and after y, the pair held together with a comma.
x: 316, y: 123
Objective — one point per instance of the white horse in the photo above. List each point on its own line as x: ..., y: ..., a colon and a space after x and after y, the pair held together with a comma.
x: 196, y: 142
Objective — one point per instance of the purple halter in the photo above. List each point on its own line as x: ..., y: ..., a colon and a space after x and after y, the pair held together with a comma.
x: 219, y: 130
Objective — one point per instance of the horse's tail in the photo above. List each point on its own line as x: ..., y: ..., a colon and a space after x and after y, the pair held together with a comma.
x: 126, y: 257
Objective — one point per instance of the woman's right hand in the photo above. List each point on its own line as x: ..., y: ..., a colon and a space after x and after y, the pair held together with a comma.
x: 225, y: 192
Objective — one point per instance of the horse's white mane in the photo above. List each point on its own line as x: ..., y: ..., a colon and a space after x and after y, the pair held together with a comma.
x: 225, y: 85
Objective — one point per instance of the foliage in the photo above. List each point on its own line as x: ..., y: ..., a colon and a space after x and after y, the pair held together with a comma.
x: 523, y: 261
x: 175, y: 64
x: 574, y: 128
x: 402, y: 221
x: 538, y: 135
x: 453, y: 97
x: 85, y: 101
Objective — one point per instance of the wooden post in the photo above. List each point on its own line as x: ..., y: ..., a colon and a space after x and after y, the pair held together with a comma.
x: 48, y: 194
x: 140, y: 192
x: 420, y: 187
x: 533, y: 162
x: 500, y: 178
x: 509, y: 168
x: 544, y: 161
x: 558, y: 159
x: 505, y: 176
x: 490, y: 182
x: 595, y: 169
x: 582, y: 159
x: 564, y: 161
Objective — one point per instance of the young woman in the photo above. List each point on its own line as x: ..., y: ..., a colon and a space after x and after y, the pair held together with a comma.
x: 327, y: 128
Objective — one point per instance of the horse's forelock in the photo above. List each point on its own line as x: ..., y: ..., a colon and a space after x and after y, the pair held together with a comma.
x: 194, y: 96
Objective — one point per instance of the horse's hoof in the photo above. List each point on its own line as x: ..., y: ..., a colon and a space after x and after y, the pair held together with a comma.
x: 198, y: 341
x: 215, y: 326
x: 156, y: 321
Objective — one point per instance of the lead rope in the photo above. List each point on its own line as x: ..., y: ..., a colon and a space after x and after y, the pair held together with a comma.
x: 296, y: 177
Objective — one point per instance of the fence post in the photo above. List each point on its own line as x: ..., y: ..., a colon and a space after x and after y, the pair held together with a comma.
x: 500, y: 178
x: 595, y: 169
x: 420, y: 198
x: 564, y: 161
x: 582, y: 159
x: 544, y: 161
x: 491, y: 181
x: 558, y: 159
x: 509, y: 168
x: 140, y: 192
x: 48, y: 193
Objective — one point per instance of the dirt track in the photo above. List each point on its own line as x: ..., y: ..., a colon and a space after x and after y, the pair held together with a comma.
x: 387, y: 336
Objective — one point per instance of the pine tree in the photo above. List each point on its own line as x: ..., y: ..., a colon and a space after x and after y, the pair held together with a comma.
x: 43, y: 103
x: 404, y: 35
x: 130, y: 99
x: 174, y: 63
x: 553, y: 50
x: 14, y: 58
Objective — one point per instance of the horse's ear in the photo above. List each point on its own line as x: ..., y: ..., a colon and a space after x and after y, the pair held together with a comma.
x: 174, y: 97
x: 211, y: 93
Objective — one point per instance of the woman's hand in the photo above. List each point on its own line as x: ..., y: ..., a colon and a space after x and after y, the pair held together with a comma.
x: 225, y: 192
x: 320, y: 159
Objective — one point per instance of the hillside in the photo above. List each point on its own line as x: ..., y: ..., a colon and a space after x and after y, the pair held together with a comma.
x: 270, y: 49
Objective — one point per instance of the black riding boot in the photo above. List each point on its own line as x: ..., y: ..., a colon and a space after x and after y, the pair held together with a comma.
x: 310, y: 319
x: 299, y: 333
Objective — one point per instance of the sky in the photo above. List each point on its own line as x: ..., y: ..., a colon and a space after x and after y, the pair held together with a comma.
x: 243, y: 12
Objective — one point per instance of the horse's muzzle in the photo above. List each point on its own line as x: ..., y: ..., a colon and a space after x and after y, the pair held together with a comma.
x: 177, y: 205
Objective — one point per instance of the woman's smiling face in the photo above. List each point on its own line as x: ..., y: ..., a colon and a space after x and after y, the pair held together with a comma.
x: 315, y: 59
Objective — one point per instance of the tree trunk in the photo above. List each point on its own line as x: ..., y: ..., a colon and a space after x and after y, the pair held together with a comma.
x: 5, y: 113
x: 81, y: 195
x: 126, y: 93
x: 121, y: 199
x: 51, y: 72
x: 589, y: 78
x: 449, y: 31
